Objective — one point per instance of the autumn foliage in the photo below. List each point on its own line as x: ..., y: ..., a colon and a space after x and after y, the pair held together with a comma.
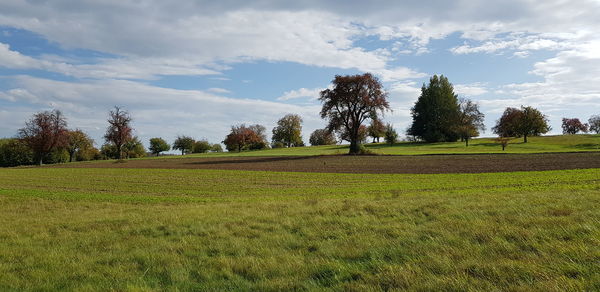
x: 45, y: 132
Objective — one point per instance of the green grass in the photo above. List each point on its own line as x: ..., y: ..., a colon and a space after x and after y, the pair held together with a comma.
x: 562, y: 143
x: 150, y: 229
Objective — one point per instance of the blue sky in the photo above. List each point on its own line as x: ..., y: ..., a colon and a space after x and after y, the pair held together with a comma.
x: 198, y: 67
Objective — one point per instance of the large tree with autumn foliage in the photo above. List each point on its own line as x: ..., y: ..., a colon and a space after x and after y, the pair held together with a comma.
x: 353, y: 100
x: 45, y: 132
x: 119, y: 129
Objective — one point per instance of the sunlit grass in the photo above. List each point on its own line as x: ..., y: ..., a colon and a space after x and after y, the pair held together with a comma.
x: 562, y: 143
x: 148, y: 229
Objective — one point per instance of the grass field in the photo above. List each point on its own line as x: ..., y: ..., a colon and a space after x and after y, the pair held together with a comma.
x: 561, y: 143
x: 150, y: 229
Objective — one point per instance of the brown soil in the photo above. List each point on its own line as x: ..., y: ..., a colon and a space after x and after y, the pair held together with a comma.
x: 372, y: 164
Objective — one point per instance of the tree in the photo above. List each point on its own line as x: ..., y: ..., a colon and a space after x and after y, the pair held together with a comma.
x: 261, y: 133
x: 390, y: 135
x: 470, y: 120
x: 436, y: 112
x: 119, y: 129
x: 503, y: 141
x: 363, y: 133
x: 184, y: 143
x: 45, y: 132
x: 573, y: 126
x: 109, y: 151
x: 216, y: 148
x: 288, y: 131
x: 376, y: 129
x: 14, y: 152
x: 533, y: 123
x: 353, y: 99
x: 78, y: 141
x: 507, y: 124
x: 201, y: 146
x: 244, y: 137
x: 158, y: 145
x: 89, y: 153
x: 322, y: 137
x: 594, y: 123
x: 523, y: 122
x: 134, y: 148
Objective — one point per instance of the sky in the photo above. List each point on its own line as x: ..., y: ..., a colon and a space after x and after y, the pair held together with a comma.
x: 198, y: 67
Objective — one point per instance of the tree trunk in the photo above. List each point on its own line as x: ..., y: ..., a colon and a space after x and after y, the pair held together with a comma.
x: 524, y: 138
x: 354, y: 147
x: 41, y: 160
x: 503, y: 146
x: 466, y: 142
x: 119, y: 155
x: 71, y: 156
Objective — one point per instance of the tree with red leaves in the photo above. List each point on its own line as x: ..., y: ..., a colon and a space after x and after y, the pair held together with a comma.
x: 119, y: 129
x: 45, y: 132
x: 353, y: 100
x: 573, y: 126
x: 244, y: 137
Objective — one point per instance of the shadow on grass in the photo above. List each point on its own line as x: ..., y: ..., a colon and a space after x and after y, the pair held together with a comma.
x: 587, y: 146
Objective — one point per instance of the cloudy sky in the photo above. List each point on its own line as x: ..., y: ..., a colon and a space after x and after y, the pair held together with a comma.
x: 198, y: 67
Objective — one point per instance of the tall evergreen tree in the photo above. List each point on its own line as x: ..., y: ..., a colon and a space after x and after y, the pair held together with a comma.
x: 436, y: 112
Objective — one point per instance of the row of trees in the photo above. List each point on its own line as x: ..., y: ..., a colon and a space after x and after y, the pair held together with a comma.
x: 438, y: 115
x: 185, y: 144
x: 46, y: 138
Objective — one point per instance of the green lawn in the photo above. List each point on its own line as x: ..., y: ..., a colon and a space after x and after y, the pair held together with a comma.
x: 149, y: 229
x: 562, y: 143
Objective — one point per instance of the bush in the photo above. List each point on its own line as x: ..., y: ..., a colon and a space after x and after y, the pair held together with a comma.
x: 14, y: 152
x: 201, y: 146
x: 278, y: 144
x: 391, y: 136
x: 216, y: 148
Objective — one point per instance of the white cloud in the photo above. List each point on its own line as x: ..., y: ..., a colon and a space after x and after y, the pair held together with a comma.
x: 312, y: 94
x: 218, y: 90
x: 15, y: 60
x: 151, y: 38
x: 470, y: 89
x: 191, y: 112
x: 105, y: 68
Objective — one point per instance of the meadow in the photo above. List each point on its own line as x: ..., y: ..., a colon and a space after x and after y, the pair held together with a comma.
x: 542, y: 144
x: 193, y: 229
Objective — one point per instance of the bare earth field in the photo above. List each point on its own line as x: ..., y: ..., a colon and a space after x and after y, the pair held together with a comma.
x: 423, y: 164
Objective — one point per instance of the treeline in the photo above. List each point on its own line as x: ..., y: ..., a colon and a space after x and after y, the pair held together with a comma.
x: 353, y: 108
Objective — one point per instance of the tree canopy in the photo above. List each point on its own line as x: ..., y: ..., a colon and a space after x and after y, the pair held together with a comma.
x: 573, y: 126
x: 244, y: 137
x: 158, y: 145
x: 353, y: 99
x: 78, y: 141
x: 45, y: 132
x: 322, y: 137
x: 390, y: 135
x: 376, y: 129
x: 470, y: 120
x: 184, y: 143
x: 594, y: 124
x: 134, y: 148
x: 119, y: 129
x: 436, y: 112
x: 201, y: 146
x: 524, y: 122
x: 288, y: 131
